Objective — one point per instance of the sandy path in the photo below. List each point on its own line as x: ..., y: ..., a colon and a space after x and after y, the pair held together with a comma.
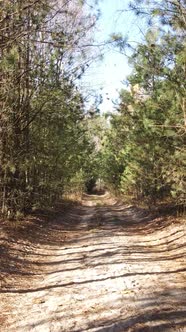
x: 118, y: 273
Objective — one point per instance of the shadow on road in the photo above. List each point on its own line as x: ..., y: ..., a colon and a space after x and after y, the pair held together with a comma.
x: 164, y: 309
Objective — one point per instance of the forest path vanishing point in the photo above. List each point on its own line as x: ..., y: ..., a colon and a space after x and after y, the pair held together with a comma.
x: 100, y: 267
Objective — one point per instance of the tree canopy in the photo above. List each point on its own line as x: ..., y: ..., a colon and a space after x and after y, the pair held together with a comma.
x: 43, y: 142
x: 144, y: 153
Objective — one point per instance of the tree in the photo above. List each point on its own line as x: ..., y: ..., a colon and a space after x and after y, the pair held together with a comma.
x: 170, y: 12
x: 42, y: 54
x: 147, y: 132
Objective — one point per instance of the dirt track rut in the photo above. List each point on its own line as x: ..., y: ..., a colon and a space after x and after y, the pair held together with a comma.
x: 121, y: 270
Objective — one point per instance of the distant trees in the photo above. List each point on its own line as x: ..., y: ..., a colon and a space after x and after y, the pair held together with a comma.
x: 144, y: 150
x: 42, y: 132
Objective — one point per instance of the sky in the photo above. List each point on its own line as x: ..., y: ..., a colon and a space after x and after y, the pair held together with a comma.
x: 106, y: 77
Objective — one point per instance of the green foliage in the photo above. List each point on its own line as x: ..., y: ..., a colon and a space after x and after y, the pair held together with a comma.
x: 44, y: 144
x: 144, y: 150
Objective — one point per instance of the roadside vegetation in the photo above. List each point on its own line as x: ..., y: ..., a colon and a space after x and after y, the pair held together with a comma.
x: 51, y: 145
x: 144, y: 146
x: 44, y: 146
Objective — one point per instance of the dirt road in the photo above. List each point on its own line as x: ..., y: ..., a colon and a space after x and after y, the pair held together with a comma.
x: 103, y: 267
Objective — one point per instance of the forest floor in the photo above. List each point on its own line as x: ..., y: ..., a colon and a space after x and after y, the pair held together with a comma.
x: 100, y: 266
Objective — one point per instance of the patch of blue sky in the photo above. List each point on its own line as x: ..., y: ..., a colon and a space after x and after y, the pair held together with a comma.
x: 107, y: 76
